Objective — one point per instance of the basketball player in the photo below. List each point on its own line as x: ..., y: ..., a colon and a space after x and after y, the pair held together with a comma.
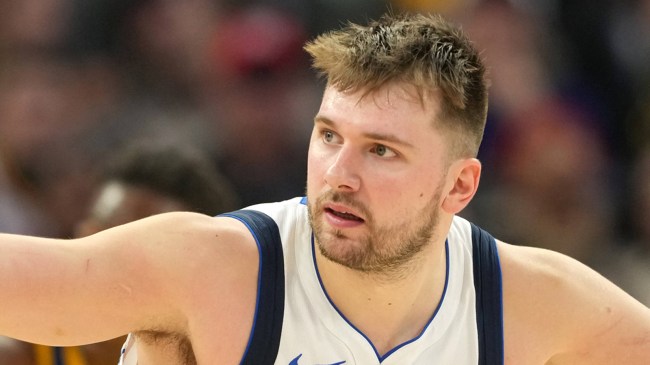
x: 372, y: 266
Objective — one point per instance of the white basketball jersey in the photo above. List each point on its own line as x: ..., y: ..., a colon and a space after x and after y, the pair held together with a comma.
x: 315, y: 332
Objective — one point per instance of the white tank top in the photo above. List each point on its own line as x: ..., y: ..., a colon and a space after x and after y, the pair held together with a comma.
x: 315, y: 332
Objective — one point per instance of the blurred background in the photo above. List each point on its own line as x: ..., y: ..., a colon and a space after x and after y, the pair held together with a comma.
x: 567, y: 149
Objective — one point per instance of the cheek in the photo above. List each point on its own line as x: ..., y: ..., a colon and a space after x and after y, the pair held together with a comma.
x: 315, y: 169
x: 388, y: 192
x: 402, y: 194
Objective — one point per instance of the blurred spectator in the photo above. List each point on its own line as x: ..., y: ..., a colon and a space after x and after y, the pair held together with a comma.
x: 638, y: 122
x: 318, y: 16
x: 158, y: 45
x: 448, y: 7
x: 520, y: 63
x: 18, y: 212
x: 514, y: 50
x: 548, y: 162
x: 594, y: 78
x: 46, y: 100
x: 151, y: 178
x: 263, y: 97
x: 630, y: 268
x: 629, y: 37
x: 140, y: 181
x: 30, y: 24
x: 13, y: 352
x: 552, y: 186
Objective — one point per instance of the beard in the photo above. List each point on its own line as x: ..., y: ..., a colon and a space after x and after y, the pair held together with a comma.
x: 386, y: 249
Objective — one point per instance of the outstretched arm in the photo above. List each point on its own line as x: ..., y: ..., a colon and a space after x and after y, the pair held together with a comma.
x: 140, y: 276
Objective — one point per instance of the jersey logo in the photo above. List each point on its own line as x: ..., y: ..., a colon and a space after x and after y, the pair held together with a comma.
x: 295, y: 361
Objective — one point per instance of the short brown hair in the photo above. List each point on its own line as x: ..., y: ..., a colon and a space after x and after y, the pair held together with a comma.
x: 423, y: 50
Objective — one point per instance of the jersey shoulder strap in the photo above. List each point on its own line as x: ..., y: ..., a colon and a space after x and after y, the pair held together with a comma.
x: 264, y: 341
x: 489, y: 298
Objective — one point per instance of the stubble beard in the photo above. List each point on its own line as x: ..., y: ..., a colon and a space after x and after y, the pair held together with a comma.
x: 386, y: 251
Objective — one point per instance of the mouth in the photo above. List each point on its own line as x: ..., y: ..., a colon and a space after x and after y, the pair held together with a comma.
x: 344, y: 215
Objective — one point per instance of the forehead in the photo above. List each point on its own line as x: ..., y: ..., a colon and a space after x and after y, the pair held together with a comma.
x: 395, y: 108
x: 391, y: 96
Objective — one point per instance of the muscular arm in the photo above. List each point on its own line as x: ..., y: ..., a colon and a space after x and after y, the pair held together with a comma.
x: 146, y: 275
x: 568, y: 313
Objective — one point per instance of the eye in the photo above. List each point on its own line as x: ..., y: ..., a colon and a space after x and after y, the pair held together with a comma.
x: 328, y: 136
x: 383, y: 151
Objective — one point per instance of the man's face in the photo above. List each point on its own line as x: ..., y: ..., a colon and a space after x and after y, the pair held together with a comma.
x: 376, y: 175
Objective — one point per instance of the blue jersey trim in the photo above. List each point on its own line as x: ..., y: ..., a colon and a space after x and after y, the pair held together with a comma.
x: 379, y: 357
x: 264, y: 340
x: 500, y: 289
x: 489, y: 297
x: 500, y: 303
x: 259, y: 275
x: 58, y: 355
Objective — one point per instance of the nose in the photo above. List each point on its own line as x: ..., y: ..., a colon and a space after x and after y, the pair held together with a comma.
x: 343, y: 173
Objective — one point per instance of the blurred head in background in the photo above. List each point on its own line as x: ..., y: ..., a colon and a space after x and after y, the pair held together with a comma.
x: 147, y: 179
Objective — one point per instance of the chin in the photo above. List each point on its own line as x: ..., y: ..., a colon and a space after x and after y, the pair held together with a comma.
x: 338, y: 248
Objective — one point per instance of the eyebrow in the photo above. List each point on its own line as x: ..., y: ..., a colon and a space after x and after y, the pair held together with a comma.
x: 391, y: 138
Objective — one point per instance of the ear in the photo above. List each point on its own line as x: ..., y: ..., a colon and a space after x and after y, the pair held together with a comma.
x: 464, y: 176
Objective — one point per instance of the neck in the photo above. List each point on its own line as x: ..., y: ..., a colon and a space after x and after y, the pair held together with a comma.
x: 389, y: 311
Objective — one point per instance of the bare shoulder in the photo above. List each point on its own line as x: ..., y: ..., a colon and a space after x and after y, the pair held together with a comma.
x: 563, y: 312
x: 180, y: 238
x: 207, y: 268
x: 173, y: 263
x: 191, y: 249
